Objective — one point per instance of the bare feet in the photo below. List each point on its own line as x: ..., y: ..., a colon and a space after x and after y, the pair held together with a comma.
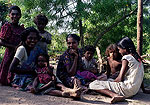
x: 117, y: 99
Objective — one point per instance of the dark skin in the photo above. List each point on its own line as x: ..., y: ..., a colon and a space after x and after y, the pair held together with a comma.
x: 14, y: 17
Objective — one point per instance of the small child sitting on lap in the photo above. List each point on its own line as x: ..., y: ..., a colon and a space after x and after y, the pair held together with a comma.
x: 47, y: 83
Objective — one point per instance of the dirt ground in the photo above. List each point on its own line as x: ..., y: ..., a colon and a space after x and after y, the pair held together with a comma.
x: 11, y: 96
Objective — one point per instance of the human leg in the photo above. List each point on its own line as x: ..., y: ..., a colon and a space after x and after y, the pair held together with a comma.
x: 115, y: 97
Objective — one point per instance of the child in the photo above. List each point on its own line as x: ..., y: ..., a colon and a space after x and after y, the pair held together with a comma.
x: 47, y: 83
x: 114, y: 61
x: 10, y: 38
x: 130, y: 77
x: 88, y: 60
x: 41, y: 22
x: 89, y: 71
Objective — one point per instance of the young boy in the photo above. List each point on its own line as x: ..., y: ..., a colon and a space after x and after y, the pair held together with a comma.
x: 88, y: 60
x: 41, y: 22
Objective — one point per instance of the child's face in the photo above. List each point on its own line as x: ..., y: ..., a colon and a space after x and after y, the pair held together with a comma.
x: 14, y: 16
x: 31, y: 40
x: 122, y: 51
x: 88, y: 55
x: 41, y: 25
x: 113, y: 54
x: 42, y: 61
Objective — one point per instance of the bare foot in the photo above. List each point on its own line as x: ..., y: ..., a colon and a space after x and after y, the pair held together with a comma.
x: 117, y: 99
x: 74, y: 93
x: 33, y: 90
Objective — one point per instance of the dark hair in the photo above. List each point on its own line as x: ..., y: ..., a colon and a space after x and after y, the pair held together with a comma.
x: 127, y: 43
x: 74, y: 36
x: 15, y: 8
x: 40, y: 18
x: 27, y: 31
x: 44, y: 55
x: 111, y: 47
x: 89, y: 48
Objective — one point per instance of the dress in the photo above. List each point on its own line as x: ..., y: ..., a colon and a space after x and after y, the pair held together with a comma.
x: 132, y: 80
x: 43, y: 44
x: 26, y: 62
x: 62, y: 74
x: 12, y: 36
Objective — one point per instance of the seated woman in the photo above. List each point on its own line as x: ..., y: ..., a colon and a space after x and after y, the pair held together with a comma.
x: 70, y: 61
x: 24, y: 60
x: 130, y: 77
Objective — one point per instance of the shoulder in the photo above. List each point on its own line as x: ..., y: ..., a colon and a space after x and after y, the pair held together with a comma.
x: 128, y: 57
x: 21, y: 48
x: 6, y: 25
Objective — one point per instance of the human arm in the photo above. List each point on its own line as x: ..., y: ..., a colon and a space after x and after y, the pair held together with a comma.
x: 49, y: 84
x: 72, y: 70
x: 123, y: 70
x: 18, y: 69
x: 6, y: 44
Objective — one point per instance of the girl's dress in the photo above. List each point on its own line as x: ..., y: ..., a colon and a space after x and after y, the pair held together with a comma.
x: 132, y: 80
x: 12, y: 36
x: 45, y: 78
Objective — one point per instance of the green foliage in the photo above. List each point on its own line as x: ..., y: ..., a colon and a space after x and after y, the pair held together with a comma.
x: 96, y: 16
x: 3, y: 12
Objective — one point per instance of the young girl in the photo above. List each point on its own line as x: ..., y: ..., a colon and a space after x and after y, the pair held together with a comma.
x: 41, y: 22
x: 10, y: 38
x: 47, y: 83
x: 113, y: 61
x: 130, y: 78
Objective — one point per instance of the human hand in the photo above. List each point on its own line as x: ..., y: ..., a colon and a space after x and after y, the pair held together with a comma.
x: 118, y: 79
x: 73, y: 52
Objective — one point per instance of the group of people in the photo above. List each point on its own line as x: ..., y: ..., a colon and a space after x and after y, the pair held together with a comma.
x: 25, y: 65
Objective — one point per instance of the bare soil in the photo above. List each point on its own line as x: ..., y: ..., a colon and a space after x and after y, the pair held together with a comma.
x: 11, y: 96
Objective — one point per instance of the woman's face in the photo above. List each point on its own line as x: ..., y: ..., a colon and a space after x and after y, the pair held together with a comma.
x: 32, y: 39
x: 14, y: 16
x: 72, y: 44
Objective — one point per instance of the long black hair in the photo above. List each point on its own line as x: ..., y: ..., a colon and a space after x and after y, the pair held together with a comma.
x: 127, y: 43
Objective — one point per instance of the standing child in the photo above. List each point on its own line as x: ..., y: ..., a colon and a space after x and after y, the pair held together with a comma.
x: 130, y: 77
x: 41, y: 22
x: 47, y: 83
x: 10, y: 38
x: 114, y: 61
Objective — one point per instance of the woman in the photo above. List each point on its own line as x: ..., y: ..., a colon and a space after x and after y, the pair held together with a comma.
x: 10, y: 38
x: 23, y: 63
x: 70, y: 61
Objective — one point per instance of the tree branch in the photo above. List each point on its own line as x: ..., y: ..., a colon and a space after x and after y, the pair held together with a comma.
x: 115, y: 24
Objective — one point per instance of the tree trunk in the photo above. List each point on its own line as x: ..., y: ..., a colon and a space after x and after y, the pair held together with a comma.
x: 140, y: 27
x: 81, y: 33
